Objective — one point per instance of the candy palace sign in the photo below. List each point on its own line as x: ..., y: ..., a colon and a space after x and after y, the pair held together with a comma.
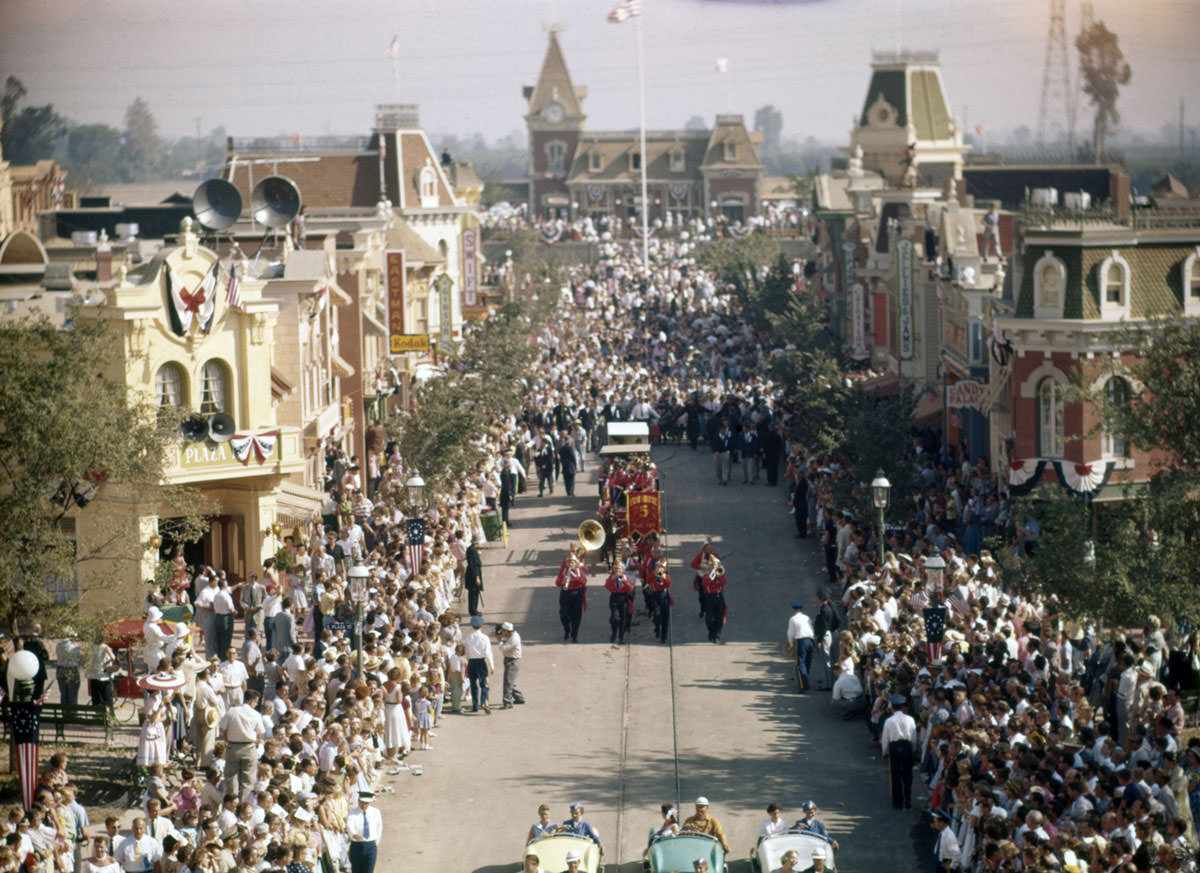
x: 966, y: 393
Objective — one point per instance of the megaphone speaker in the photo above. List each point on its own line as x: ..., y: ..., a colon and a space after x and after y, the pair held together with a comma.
x: 275, y: 201
x: 194, y: 428
x: 217, y: 204
x: 221, y: 427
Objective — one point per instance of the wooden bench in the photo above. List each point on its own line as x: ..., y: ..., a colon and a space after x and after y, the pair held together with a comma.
x: 63, y: 716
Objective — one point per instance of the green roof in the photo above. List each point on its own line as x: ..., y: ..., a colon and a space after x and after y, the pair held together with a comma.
x: 930, y: 114
x: 890, y: 85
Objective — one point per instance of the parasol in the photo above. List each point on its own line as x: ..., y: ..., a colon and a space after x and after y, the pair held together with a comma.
x: 161, y: 682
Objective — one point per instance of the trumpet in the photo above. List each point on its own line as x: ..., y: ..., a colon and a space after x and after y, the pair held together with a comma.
x: 591, y: 535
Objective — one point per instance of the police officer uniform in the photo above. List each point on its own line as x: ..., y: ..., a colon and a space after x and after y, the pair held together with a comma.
x: 897, y: 741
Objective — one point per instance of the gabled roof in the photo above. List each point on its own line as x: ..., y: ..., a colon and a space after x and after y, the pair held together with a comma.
x: 415, y: 152
x: 914, y: 91
x: 554, y: 82
x: 731, y: 129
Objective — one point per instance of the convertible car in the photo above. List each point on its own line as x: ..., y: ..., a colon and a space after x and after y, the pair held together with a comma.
x: 679, y: 852
x: 552, y: 853
x: 767, y: 854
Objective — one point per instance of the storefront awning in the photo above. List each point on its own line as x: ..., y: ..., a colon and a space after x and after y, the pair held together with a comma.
x: 340, y: 367
x: 883, y: 386
x: 929, y: 409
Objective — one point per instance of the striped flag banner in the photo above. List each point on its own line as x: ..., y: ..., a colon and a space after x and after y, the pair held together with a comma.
x: 233, y: 289
x: 416, y: 543
x: 624, y: 10
x: 25, y: 718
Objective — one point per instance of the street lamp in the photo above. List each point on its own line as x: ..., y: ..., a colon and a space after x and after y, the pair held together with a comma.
x: 881, y: 496
x: 935, y: 573
x: 25, y: 709
x: 415, y: 488
x: 358, y: 576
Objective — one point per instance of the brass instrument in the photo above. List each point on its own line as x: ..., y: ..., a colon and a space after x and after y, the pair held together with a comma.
x: 591, y: 535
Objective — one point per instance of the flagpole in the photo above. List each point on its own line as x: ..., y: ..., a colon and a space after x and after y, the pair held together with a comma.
x: 642, y: 108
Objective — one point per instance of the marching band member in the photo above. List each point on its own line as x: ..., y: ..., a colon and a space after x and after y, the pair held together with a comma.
x: 702, y: 563
x: 712, y: 597
x: 620, y: 601
x: 659, y: 586
x: 572, y: 595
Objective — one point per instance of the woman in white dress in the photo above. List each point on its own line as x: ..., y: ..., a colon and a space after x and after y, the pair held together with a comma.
x: 152, y: 742
x: 159, y: 644
x: 396, y: 735
x: 100, y: 861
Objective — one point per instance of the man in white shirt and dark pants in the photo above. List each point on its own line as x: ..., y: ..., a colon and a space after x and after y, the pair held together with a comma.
x: 365, y: 826
x: 848, y: 697
x: 897, y: 741
x: 479, y: 664
x: 800, y: 642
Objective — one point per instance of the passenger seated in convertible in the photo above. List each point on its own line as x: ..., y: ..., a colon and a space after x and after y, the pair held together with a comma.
x: 670, y: 823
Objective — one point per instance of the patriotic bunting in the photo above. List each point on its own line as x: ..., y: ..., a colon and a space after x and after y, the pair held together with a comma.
x: 25, y: 726
x: 1084, y: 478
x: 935, y: 632
x: 415, y: 529
x: 261, y: 445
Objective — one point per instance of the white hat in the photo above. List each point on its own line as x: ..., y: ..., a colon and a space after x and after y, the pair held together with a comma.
x: 573, y: 856
x: 701, y: 801
x: 507, y: 626
x: 153, y: 614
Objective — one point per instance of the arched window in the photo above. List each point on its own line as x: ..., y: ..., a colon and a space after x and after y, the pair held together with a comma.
x: 1191, y: 283
x: 1050, y: 419
x: 556, y: 156
x: 1113, y: 277
x: 170, y: 384
x: 427, y: 185
x: 216, y: 392
x: 1049, y: 286
x: 1116, y: 393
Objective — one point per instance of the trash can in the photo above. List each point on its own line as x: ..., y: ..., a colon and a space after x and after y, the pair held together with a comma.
x: 491, y: 525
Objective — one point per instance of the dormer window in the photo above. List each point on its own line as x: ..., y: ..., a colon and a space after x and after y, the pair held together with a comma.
x: 427, y: 185
x: 1191, y: 283
x: 731, y: 151
x: 1113, y: 276
x: 556, y: 156
x: 595, y: 162
x: 635, y: 161
x: 677, y: 162
x: 1049, y: 286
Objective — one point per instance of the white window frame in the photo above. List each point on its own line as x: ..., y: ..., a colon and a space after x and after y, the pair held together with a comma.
x: 165, y: 393
x: 1121, y: 309
x: 1041, y: 310
x: 595, y: 162
x: 678, y: 162
x: 1051, y: 419
x: 1110, y: 446
x: 216, y: 383
x: 556, y: 156
x: 731, y: 151
x: 1191, y: 283
x: 427, y: 186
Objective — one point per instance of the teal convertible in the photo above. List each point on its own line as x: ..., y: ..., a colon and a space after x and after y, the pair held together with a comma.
x: 680, y: 852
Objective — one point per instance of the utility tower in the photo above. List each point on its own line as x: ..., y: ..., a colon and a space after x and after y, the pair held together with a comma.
x: 1058, y: 98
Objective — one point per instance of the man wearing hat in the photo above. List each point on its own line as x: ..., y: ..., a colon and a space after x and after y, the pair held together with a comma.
x: 703, y: 823
x: 510, y: 650
x: 573, y: 860
x: 946, y: 850
x: 68, y: 657
x: 813, y: 825
x: 364, y: 826
x: 576, y: 825
x: 572, y: 594
x: 897, y: 740
x: 800, y: 642
x: 479, y: 664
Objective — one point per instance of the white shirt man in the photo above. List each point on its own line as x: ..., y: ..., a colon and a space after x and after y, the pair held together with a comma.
x: 235, y: 675
x: 139, y: 852
x: 847, y: 687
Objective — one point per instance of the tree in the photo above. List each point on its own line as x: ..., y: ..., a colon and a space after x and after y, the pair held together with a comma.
x: 142, y: 148
x: 28, y: 134
x: 93, y: 152
x: 769, y: 120
x: 69, y: 435
x: 1102, y: 65
x: 696, y: 123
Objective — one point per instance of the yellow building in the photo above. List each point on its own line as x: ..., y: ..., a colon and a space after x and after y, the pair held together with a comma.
x: 184, y: 345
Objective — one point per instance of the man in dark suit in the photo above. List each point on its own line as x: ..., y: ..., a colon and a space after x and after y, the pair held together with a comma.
x: 473, y: 579
x: 568, y: 462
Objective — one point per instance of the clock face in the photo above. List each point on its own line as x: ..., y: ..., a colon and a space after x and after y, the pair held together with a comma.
x: 553, y: 113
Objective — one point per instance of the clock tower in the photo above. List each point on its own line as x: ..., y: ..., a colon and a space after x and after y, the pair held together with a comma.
x: 554, y: 119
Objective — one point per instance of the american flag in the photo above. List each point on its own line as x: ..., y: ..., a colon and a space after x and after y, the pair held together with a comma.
x: 393, y: 48
x: 416, y: 543
x: 25, y: 738
x: 233, y: 289
x: 624, y: 10
x: 935, y: 632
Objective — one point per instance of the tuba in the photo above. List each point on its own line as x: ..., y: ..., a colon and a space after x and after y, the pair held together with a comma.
x: 591, y: 535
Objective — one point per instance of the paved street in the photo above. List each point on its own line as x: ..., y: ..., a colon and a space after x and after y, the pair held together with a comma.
x: 745, y: 736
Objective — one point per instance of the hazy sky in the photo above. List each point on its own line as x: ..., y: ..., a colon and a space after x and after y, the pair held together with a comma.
x: 265, y: 67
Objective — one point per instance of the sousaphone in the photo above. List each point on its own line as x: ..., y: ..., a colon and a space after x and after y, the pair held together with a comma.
x: 591, y: 535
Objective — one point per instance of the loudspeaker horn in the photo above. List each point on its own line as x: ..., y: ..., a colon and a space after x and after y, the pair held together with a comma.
x: 275, y: 201
x: 194, y: 428
x: 221, y: 427
x: 217, y: 204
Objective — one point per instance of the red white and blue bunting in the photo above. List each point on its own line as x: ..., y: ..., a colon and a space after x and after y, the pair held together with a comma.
x: 737, y: 232
x: 261, y: 445
x: 595, y: 192
x: 1023, y: 475
x: 649, y: 232
x: 551, y: 234
x: 183, y: 304
x: 679, y: 192
x: 1084, y: 478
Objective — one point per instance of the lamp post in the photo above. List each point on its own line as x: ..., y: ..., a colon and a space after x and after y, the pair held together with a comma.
x: 881, y: 496
x: 25, y: 709
x: 935, y: 573
x: 358, y: 576
x: 415, y: 489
